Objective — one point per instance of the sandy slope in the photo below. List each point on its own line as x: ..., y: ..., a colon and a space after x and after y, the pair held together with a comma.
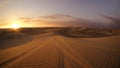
x: 63, y: 52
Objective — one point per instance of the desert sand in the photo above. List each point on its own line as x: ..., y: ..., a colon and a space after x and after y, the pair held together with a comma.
x: 63, y: 48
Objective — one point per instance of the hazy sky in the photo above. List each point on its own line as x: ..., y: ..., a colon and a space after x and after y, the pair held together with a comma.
x: 41, y: 11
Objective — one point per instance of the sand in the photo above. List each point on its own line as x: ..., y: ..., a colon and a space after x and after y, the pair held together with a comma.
x: 60, y: 51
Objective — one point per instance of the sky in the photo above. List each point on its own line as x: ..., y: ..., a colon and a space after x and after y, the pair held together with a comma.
x: 42, y: 13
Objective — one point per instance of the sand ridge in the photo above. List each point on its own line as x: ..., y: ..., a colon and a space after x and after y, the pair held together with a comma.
x: 54, y: 49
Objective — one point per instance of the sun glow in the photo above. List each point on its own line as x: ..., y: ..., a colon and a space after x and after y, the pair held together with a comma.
x: 15, y: 26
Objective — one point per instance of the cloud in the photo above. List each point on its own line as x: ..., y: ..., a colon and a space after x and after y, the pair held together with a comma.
x: 115, y: 22
x: 31, y: 20
x: 72, y: 21
x: 3, y: 24
x: 58, y: 20
x: 68, y: 20
x: 24, y: 19
x: 57, y: 16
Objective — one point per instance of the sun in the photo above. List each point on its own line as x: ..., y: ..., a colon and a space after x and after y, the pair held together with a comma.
x: 15, y: 26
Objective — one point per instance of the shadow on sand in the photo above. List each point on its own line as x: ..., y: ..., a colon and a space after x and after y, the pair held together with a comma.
x: 80, y: 34
x: 14, y: 40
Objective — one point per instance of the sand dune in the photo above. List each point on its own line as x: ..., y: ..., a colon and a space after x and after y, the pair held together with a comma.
x: 52, y: 49
x: 11, y: 39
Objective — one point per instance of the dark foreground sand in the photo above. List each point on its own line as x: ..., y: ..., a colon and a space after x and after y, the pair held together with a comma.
x: 47, y: 51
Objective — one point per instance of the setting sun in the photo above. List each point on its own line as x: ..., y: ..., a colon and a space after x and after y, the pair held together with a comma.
x: 15, y: 26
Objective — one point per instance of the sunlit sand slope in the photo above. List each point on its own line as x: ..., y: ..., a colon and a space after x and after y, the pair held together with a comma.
x: 63, y: 52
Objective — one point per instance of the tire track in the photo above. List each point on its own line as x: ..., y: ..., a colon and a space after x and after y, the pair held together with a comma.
x: 61, y: 59
x: 69, y: 54
x: 12, y: 62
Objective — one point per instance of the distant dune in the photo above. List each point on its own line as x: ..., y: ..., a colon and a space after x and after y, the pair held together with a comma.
x: 9, y: 38
x: 62, y: 48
